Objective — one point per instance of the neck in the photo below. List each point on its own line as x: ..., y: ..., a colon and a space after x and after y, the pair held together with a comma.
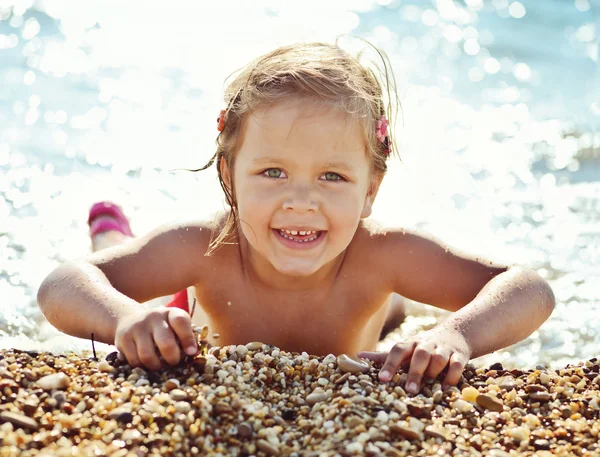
x: 260, y: 271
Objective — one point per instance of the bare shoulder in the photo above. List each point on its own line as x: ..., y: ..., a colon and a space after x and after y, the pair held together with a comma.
x: 162, y: 262
x: 423, y: 268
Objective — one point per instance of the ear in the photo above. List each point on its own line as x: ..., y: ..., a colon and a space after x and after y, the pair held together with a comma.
x: 371, y: 194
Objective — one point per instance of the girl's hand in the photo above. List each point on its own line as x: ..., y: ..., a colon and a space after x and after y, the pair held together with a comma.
x: 428, y: 354
x: 138, y: 335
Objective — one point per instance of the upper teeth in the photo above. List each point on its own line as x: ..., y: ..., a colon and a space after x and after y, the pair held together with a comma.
x: 301, y: 232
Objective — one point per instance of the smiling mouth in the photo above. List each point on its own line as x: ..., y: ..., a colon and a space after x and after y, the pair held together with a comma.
x: 300, y: 236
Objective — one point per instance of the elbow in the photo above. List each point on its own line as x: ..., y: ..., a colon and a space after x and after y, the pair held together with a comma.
x: 48, y: 295
x: 544, y: 294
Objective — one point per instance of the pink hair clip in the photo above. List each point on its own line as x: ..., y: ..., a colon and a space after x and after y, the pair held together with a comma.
x: 221, y: 120
x: 381, y: 131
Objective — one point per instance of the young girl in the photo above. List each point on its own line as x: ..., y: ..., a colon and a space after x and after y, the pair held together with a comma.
x: 301, y: 153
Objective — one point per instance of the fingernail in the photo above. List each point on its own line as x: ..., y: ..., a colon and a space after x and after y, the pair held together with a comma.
x: 385, y: 375
x: 412, y: 388
x: 191, y: 350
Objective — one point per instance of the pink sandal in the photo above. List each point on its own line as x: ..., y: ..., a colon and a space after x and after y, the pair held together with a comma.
x: 106, y: 216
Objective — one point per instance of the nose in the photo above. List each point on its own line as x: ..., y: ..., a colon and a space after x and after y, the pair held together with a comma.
x: 300, y: 199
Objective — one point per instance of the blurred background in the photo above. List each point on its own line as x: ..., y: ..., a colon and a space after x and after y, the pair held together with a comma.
x: 499, y: 138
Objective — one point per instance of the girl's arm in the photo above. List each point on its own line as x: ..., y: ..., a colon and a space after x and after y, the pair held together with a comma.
x: 507, y: 310
x: 494, y: 305
x: 96, y: 294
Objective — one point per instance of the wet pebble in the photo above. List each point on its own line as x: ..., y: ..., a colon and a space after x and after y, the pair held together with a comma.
x: 347, y: 364
x: 54, y: 381
x: 490, y: 402
x: 19, y: 420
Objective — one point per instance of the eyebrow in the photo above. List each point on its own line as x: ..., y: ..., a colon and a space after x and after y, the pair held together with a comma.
x: 331, y: 164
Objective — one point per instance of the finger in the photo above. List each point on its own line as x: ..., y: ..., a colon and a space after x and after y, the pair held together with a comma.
x: 377, y: 357
x: 439, y: 360
x: 418, y: 364
x: 181, y: 323
x: 128, y: 349
x: 167, y: 343
x: 146, y: 352
x: 396, y: 356
x: 455, y: 368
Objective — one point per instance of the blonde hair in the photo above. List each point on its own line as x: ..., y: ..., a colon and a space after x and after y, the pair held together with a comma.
x: 306, y: 70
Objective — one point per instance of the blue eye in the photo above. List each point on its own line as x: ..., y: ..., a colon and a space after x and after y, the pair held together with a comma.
x: 273, y: 173
x: 331, y: 176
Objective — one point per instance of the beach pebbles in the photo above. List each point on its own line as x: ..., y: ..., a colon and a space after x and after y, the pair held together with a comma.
x: 258, y: 400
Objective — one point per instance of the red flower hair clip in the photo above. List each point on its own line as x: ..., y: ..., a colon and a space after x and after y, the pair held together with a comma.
x: 381, y: 132
x: 221, y: 120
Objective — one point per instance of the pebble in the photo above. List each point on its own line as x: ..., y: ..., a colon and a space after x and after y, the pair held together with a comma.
x: 462, y: 406
x: 470, y: 394
x: 245, y: 430
x: 316, y: 396
x: 280, y: 403
x: 254, y: 346
x: 183, y: 407
x: 490, y: 402
x: 121, y: 415
x: 178, y: 395
x: 54, y: 381
x: 172, y: 384
x: 105, y: 367
x: 267, y: 447
x: 406, y: 431
x: 18, y: 420
x: 347, y: 364
x: 540, y: 396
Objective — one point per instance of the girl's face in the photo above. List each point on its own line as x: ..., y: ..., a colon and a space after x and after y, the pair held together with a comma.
x: 303, y: 181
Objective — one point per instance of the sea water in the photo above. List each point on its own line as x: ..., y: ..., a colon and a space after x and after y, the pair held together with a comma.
x: 498, y: 135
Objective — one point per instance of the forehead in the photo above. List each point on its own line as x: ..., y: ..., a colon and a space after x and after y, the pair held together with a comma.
x: 303, y: 125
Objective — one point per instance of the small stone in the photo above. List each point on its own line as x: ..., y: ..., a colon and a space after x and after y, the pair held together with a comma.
x: 54, y: 381
x: 105, y: 367
x: 171, y: 384
x: 121, y: 415
x: 254, y: 346
x: 178, y: 395
x: 506, y: 382
x: 19, y: 420
x: 342, y: 378
x: 142, y: 382
x: 183, y: 407
x: 470, y: 394
x: 30, y: 406
x: 490, y: 402
x: 540, y: 396
x: 543, y: 445
x: 400, y: 406
x: 462, y: 406
x: 355, y: 448
x: 406, y: 431
x: 316, y: 396
x: 347, y: 364
x: 245, y: 430
x: 518, y: 433
x: 353, y: 421
x: 436, y: 432
x: 203, y: 332
x: 241, y: 350
x: 267, y: 447
x: 437, y: 396
x: 498, y: 453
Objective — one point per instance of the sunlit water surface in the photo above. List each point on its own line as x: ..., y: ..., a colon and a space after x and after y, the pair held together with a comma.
x: 500, y: 143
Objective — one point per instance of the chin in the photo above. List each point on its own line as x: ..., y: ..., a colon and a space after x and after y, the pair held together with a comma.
x: 296, y: 269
